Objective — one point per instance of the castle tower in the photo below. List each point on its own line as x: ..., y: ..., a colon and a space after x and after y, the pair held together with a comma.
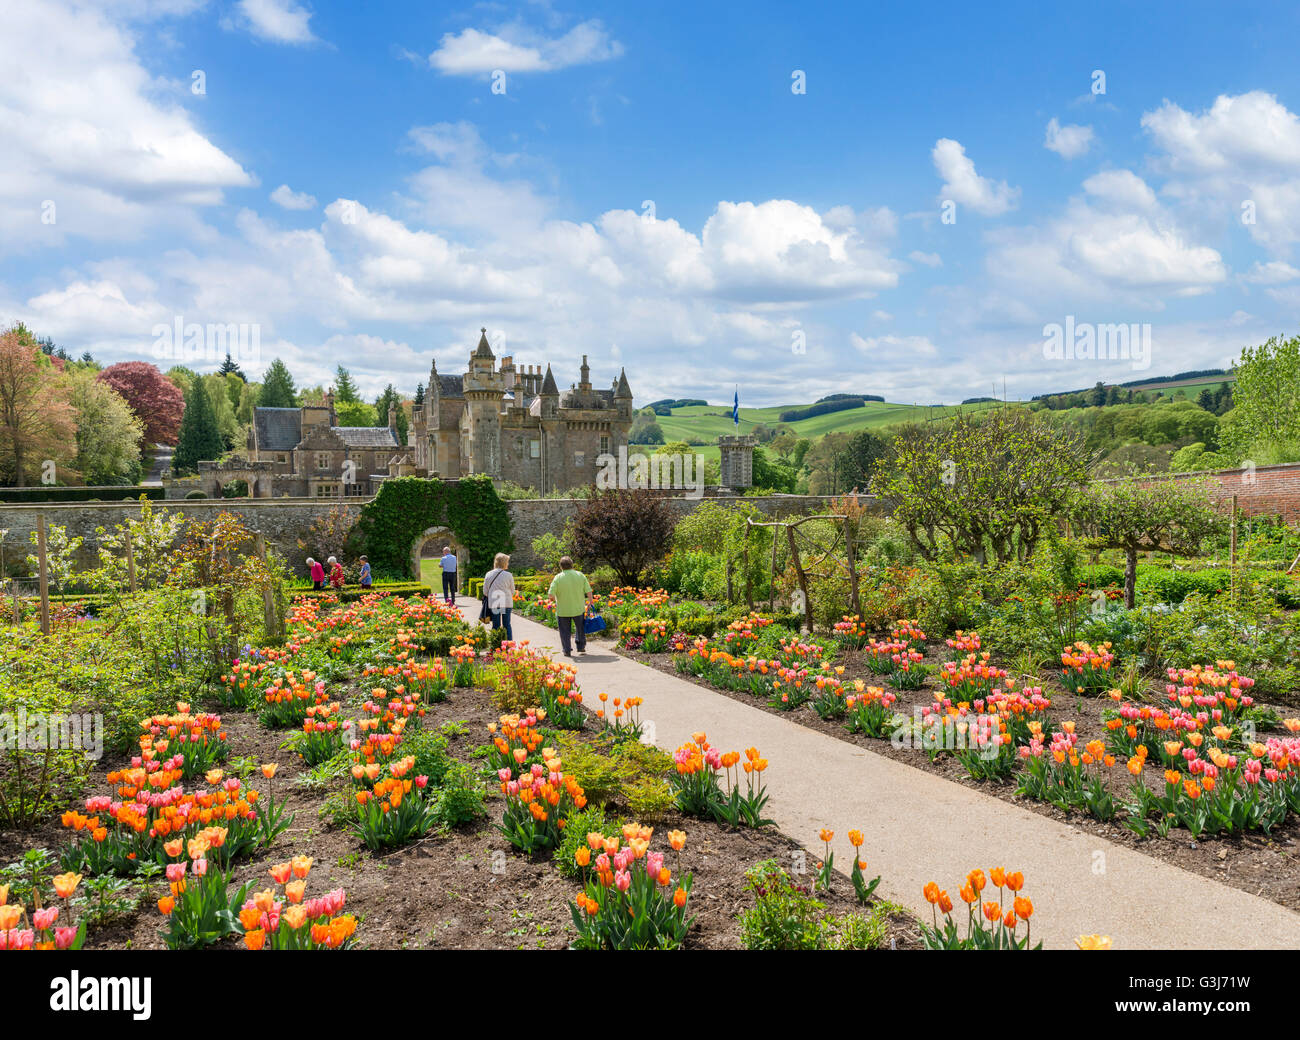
x: 737, y: 461
x: 484, y: 390
x: 623, y: 396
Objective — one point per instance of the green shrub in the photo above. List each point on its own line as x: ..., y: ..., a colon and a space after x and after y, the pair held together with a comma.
x: 592, y: 818
x: 460, y: 797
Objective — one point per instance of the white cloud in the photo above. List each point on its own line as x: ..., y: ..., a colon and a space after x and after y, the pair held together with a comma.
x: 966, y: 187
x: 1114, y: 242
x: 1274, y: 272
x: 925, y: 259
x: 1120, y: 189
x: 1241, y: 155
x: 279, y: 21
x: 900, y: 347
x: 1069, y: 141
x: 86, y: 128
x: 473, y: 52
x: 287, y: 198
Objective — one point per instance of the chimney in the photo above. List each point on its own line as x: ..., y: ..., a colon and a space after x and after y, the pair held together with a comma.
x: 392, y: 418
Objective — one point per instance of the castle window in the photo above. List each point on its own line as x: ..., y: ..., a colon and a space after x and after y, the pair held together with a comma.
x: 327, y: 491
x: 322, y: 460
x: 535, y: 449
x: 604, y: 445
x: 579, y: 458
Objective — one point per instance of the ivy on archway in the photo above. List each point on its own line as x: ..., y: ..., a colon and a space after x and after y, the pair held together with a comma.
x: 406, y: 507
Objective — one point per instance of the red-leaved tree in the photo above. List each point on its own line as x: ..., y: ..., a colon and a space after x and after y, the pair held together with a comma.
x: 155, y: 399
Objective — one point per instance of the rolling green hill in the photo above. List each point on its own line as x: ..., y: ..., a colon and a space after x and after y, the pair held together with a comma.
x: 709, y: 422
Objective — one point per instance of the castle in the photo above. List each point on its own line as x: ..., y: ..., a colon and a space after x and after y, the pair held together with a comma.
x: 510, y: 423
x: 514, y: 423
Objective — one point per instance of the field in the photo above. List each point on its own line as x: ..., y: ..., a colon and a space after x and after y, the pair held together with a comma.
x: 709, y: 422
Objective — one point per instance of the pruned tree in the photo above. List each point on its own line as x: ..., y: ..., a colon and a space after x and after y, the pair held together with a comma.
x: 1174, y: 516
x: 982, y: 483
x: 627, y: 530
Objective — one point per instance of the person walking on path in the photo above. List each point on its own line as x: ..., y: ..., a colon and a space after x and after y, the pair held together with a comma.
x: 336, y: 573
x: 499, y: 591
x: 448, y: 562
x: 317, y: 574
x: 572, y: 593
x: 365, y: 573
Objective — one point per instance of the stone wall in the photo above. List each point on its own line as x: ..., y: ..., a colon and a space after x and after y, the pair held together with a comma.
x: 283, y: 520
x: 532, y: 517
x: 280, y: 520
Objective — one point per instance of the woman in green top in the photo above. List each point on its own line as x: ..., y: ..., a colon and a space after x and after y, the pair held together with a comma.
x: 572, y: 593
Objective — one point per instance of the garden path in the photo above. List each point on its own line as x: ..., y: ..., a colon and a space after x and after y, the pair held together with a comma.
x: 920, y: 827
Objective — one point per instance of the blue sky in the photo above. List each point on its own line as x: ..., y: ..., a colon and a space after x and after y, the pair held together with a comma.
x: 647, y: 188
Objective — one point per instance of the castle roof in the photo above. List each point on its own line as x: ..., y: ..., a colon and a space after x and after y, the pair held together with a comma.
x: 451, y: 386
x: 623, y: 389
x: 277, y: 429
x: 548, y: 384
x: 367, y: 436
x: 483, y: 350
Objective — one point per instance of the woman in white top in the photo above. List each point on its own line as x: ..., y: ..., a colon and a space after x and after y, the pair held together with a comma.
x: 499, y: 591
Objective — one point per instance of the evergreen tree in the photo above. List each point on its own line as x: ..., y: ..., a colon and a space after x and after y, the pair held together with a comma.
x: 390, y: 397
x: 230, y: 368
x: 419, y: 396
x: 345, y: 388
x: 200, y: 439
x: 278, y: 390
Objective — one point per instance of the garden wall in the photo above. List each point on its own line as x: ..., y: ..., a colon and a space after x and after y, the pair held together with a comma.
x: 283, y: 520
x: 1261, y: 491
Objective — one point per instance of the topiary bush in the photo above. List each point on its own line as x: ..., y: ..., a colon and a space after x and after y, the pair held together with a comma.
x: 406, y: 507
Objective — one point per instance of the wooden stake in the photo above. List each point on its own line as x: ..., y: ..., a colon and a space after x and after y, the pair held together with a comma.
x: 1232, y: 558
x: 271, y: 620
x: 45, y: 574
x: 130, y: 563
x: 803, y: 578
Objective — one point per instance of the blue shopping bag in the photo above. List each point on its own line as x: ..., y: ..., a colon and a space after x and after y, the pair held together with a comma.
x: 593, y: 623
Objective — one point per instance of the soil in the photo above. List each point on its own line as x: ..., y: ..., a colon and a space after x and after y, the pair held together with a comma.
x: 1266, y: 865
x: 442, y: 891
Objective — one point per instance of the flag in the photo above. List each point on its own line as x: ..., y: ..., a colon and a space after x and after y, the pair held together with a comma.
x: 735, y: 408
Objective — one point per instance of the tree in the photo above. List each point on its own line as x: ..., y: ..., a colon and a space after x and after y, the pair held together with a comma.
x: 156, y: 400
x: 249, y: 398
x: 36, y: 418
x: 108, y: 431
x: 1264, y: 424
x: 419, y: 396
x: 345, y: 387
x: 771, y: 476
x: 981, y: 483
x: 627, y: 530
x: 1174, y: 516
x: 230, y: 368
x: 390, y: 398
x: 278, y: 390
x: 200, y: 438
x: 860, y: 457
x: 222, y: 410
x: 645, y: 430
x: 355, y: 413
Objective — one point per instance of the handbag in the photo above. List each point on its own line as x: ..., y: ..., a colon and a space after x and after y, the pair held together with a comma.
x: 485, y: 611
x: 593, y: 623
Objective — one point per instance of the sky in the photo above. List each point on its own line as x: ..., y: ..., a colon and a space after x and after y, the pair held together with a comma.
x: 892, y: 199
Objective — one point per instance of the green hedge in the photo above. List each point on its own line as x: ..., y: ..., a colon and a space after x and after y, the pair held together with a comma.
x: 406, y: 507
x: 54, y: 493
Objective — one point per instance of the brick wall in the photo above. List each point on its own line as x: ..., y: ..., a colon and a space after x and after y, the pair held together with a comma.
x: 1262, y: 491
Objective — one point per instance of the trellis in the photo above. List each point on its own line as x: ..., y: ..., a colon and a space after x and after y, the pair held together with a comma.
x: 845, y: 525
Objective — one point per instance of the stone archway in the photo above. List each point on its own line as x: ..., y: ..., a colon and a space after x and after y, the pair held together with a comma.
x: 439, y: 536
